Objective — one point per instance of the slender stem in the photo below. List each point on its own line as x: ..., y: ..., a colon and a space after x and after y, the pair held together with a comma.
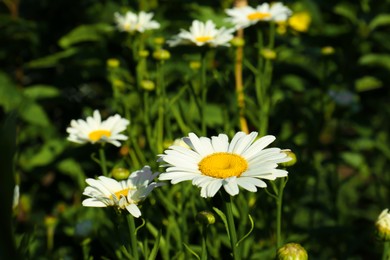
x: 133, y: 237
x: 203, y: 87
x: 161, y: 108
x: 231, y: 226
x: 103, y: 163
x: 204, y: 243
x: 386, y: 250
x: 239, y: 84
x: 279, y: 204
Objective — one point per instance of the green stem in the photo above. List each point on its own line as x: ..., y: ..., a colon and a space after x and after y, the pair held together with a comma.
x: 279, y: 203
x: 103, y: 163
x: 386, y: 250
x: 231, y: 226
x: 161, y: 108
x: 204, y: 243
x: 133, y: 237
x: 203, y: 87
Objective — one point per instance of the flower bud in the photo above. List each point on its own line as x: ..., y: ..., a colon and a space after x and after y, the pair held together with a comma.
x: 143, y: 53
x: 159, y: 41
x: 161, y: 54
x: 113, y: 63
x: 268, y: 54
x: 290, y: 154
x: 148, y: 85
x: 195, y: 65
x: 120, y: 173
x: 205, y: 218
x: 291, y: 251
x: 383, y: 225
x: 327, y: 50
x: 237, y: 42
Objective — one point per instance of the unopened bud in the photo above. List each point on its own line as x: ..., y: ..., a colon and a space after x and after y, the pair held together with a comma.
x: 195, y: 65
x: 383, y: 226
x: 205, y: 217
x: 327, y: 50
x: 161, y: 55
x: 159, y: 41
x: 148, y: 85
x: 268, y: 54
x: 291, y: 251
x: 237, y: 42
x: 120, y: 173
x: 291, y: 155
x: 113, y: 63
x: 143, y: 53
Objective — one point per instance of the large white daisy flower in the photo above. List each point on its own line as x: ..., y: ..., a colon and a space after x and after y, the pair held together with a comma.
x: 131, y: 22
x: 245, y: 16
x: 125, y: 194
x: 214, y: 162
x: 94, y: 130
x: 201, y: 33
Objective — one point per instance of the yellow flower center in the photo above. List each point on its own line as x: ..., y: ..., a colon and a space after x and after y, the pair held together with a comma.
x: 203, y: 38
x: 98, y: 134
x: 258, y: 16
x: 223, y: 165
x: 120, y: 193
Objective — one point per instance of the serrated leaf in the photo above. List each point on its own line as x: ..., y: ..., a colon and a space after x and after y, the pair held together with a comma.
x: 41, y: 91
x: 380, y: 60
x: 85, y: 33
x: 51, y: 60
x: 379, y: 20
x: 367, y: 83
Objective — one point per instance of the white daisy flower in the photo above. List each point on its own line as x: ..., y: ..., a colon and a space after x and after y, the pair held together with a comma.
x: 131, y: 22
x: 214, y: 162
x: 94, y: 130
x: 245, y: 16
x: 125, y: 194
x: 201, y: 33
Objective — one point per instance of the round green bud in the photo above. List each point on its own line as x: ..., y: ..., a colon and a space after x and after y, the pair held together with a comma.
x: 148, y: 85
x: 327, y: 50
x: 113, y: 63
x: 237, y: 42
x: 205, y: 218
x: 268, y: 54
x: 159, y: 40
x: 382, y: 226
x: 161, y: 54
x: 143, y: 53
x: 195, y: 65
x: 291, y: 251
x: 120, y: 173
x: 290, y: 154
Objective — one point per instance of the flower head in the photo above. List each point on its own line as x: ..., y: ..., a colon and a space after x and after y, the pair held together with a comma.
x: 246, y: 16
x: 292, y: 251
x: 201, y: 34
x: 131, y: 22
x: 383, y: 225
x: 125, y: 194
x: 215, y: 162
x: 94, y: 130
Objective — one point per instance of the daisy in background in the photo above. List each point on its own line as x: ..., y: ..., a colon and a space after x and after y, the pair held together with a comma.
x: 212, y: 163
x: 125, y: 194
x: 131, y: 22
x: 94, y: 130
x: 203, y: 33
x: 246, y: 16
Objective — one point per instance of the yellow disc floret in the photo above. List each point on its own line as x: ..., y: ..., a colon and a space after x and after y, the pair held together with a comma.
x: 98, y: 134
x: 258, y: 16
x: 203, y: 38
x: 223, y: 165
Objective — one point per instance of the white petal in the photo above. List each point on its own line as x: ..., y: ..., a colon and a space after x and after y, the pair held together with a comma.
x: 133, y: 210
x: 92, y: 202
x: 230, y: 186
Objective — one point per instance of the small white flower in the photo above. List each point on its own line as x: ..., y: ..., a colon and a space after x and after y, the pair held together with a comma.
x: 131, y: 22
x: 201, y: 33
x: 94, y: 130
x: 246, y: 16
x: 383, y: 225
x: 214, y: 162
x: 125, y: 194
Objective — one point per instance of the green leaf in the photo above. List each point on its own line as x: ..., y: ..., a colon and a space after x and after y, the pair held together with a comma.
x: 85, y: 33
x: 33, y: 113
x: 294, y: 82
x: 249, y: 232
x: 155, y: 248
x: 51, y: 60
x: 214, y: 115
x: 379, y: 20
x: 10, y: 97
x: 191, y: 251
x: 354, y: 159
x: 41, y: 91
x: 367, y: 83
x: 224, y: 220
x: 346, y: 10
x: 380, y: 60
x: 73, y: 169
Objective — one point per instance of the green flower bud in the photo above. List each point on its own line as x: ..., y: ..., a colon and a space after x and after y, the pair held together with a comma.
x: 205, y: 218
x: 161, y: 54
x: 327, y: 50
x: 113, y: 63
x: 159, y: 40
x: 237, y: 42
x: 383, y: 226
x: 148, y: 85
x: 120, y: 173
x: 195, y: 65
x: 291, y: 155
x: 291, y: 251
x: 268, y: 54
x: 143, y: 53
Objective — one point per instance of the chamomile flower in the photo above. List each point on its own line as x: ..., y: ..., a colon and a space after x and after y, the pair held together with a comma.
x: 125, y: 194
x: 131, y: 22
x: 246, y: 16
x: 94, y: 130
x: 201, y: 34
x: 212, y: 163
